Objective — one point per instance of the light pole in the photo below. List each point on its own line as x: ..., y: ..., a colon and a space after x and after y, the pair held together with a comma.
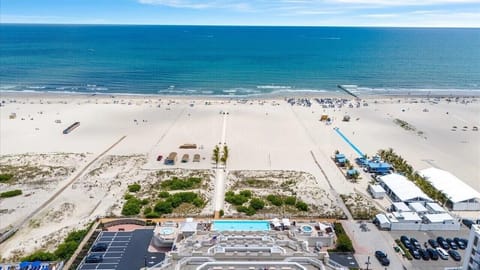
x: 368, y: 262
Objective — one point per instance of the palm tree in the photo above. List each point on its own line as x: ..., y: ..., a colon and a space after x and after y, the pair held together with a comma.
x: 216, y: 154
x: 224, y: 157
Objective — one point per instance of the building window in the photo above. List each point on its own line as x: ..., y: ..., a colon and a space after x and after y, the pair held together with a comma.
x: 475, y: 241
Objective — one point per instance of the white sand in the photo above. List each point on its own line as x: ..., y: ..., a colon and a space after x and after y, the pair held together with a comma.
x: 261, y: 136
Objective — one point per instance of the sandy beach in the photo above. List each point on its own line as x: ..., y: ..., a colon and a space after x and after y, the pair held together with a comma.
x: 262, y: 134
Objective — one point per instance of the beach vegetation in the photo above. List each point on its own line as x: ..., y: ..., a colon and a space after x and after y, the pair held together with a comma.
x: 224, y: 157
x: 290, y: 200
x: 276, y: 200
x: 221, y: 213
x: 181, y: 184
x: 249, y: 211
x: 173, y: 201
x: 216, y: 154
x: 246, y: 193
x: 257, y: 203
x: 164, y: 194
x: 302, y: 206
x: 132, y: 207
x: 343, y: 243
x: 235, y: 199
x: 128, y: 196
x: 163, y: 207
x: 134, y: 187
x: 63, y: 252
x: 10, y: 193
x: 5, y: 177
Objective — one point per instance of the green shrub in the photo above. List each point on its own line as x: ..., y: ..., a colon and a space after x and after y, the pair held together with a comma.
x: 66, y: 249
x: 163, y: 207
x: 5, y: 177
x: 257, y: 203
x: 275, y: 200
x: 40, y: 255
x: 221, y: 213
x: 290, y: 200
x: 198, y: 202
x: 247, y: 210
x: 164, y: 194
x: 11, y: 193
x: 344, y: 244
x: 134, y: 187
x: 235, y: 199
x: 132, y: 207
x: 152, y: 215
x: 128, y: 196
x: 246, y: 193
x: 181, y: 184
x: 302, y: 206
x: 147, y: 210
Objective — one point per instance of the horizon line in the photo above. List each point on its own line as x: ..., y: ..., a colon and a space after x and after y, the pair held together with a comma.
x: 238, y: 25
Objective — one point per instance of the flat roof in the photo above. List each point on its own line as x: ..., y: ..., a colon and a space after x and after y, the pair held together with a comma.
x: 436, y: 218
x: 403, y: 188
x: 435, y: 207
x: 377, y: 188
x: 418, y: 207
x: 455, y: 189
x: 401, y: 207
x: 410, y: 216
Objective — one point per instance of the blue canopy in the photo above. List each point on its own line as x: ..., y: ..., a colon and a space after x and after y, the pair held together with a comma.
x: 24, y: 264
x: 352, y: 172
x: 36, y: 263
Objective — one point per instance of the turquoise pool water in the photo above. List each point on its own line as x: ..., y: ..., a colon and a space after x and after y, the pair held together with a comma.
x: 240, y: 225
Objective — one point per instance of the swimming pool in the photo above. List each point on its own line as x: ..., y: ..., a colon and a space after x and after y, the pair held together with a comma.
x: 166, y: 231
x: 240, y: 225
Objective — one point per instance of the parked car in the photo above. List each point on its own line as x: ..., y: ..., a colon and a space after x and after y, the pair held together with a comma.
x: 433, y: 243
x: 415, y: 253
x: 460, y: 243
x: 441, y: 241
x: 159, y: 158
x: 94, y: 258
x: 424, y: 254
x: 442, y: 253
x: 99, y: 247
x: 382, y: 258
x: 405, y: 241
x: 454, y: 254
x: 451, y: 243
x: 468, y: 222
x: 432, y: 253
x: 415, y: 243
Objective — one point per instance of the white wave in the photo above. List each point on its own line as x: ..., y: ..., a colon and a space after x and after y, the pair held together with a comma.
x: 8, y: 87
x: 36, y: 87
x: 274, y: 87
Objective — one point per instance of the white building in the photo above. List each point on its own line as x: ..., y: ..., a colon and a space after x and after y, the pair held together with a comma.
x: 400, y: 189
x: 418, y: 207
x: 472, y: 253
x: 400, y: 207
x: 461, y: 196
x: 377, y: 191
x: 435, y: 208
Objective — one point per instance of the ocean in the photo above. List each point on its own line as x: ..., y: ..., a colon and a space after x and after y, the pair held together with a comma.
x: 235, y: 61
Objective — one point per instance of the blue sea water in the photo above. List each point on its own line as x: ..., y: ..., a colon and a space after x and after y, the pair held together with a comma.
x: 219, y: 60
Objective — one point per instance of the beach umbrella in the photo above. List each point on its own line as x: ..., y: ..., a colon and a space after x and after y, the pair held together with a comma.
x: 36, y: 263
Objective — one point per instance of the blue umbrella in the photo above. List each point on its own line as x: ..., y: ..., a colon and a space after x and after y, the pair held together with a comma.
x: 36, y: 263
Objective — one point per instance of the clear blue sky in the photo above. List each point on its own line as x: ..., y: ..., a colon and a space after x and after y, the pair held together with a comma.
x: 436, y: 13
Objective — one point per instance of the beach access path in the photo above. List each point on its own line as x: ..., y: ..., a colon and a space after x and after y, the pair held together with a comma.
x: 69, y: 183
x: 220, y: 174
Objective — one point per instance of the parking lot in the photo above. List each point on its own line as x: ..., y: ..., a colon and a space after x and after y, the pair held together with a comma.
x: 126, y: 250
x: 423, y: 237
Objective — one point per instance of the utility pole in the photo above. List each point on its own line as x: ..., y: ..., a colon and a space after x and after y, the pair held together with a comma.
x: 368, y: 262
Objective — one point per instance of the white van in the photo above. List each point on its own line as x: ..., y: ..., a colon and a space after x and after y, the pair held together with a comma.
x: 442, y: 253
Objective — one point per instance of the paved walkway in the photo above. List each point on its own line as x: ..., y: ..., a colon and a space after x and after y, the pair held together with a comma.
x: 220, y: 175
x: 333, y: 191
